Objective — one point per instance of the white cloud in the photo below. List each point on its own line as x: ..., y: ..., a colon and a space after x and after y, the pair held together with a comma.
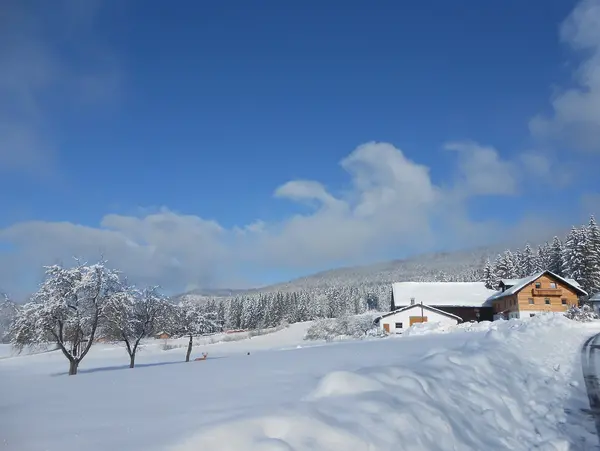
x: 482, y: 171
x: 575, y: 117
x: 306, y: 190
x: 391, y: 208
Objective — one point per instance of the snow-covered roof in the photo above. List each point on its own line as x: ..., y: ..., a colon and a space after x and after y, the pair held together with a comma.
x: 522, y: 283
x: 424, y: 306
x: 510, y: 282
x: 447, y: 294
x: 573, y: 282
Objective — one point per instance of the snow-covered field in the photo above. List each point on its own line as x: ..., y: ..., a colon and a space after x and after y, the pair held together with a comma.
x: 505, y: 385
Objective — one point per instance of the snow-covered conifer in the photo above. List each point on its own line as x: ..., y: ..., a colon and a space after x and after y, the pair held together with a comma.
x: 505, y: 266
x: 542, y: 258
x: 574, y: 255
x: 527, y: 264
x: 555, y: 259
x: 490, y: 277
x: 592, y: 258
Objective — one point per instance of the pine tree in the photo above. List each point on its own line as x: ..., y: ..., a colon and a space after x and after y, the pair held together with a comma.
x: 490, y: 278
x: 592, y: 258
x: 517, y: 259
x: 574, y: 255
x: 527, y: 262
x: 505, y: 266
x: 542, y: 258
x: 555, y: 258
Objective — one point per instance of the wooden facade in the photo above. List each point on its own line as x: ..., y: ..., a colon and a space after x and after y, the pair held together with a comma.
x: 546, y: 293
x: 469, y: 313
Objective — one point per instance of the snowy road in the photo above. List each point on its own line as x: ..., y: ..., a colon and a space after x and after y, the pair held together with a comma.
x: 590, y: 361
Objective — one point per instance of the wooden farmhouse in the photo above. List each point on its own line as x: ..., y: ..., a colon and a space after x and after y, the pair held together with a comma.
x: 440, y: 302
x: 540, y: 293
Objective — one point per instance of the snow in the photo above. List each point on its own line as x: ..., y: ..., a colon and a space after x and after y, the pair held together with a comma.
x: 467, y: 294
x: 503, y: 385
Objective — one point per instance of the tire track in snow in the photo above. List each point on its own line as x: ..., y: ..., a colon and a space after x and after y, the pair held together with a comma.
x: 589, y: 360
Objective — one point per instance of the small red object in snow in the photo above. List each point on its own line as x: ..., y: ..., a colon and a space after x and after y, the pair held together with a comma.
x: 204, y: 356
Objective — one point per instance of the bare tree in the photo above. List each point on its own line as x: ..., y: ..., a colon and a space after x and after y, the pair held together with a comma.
x: 8, y: 313
x: 66, y: 309
x: 190, y: 319
x: 131, y: 315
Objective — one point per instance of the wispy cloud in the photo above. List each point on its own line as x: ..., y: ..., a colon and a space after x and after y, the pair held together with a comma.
x: 574, y: 121
x: 394, y: 204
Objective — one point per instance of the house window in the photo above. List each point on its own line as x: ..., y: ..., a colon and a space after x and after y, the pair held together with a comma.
x: 538, y: 285
x: 563, y: 301
x: 398, y: 325
x: 531, y: 301
x: 552, y: 285
x: 531, y: 315
x: 547, y: 301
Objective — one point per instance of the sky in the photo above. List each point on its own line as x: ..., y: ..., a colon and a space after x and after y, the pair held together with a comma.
x: 237, y: 144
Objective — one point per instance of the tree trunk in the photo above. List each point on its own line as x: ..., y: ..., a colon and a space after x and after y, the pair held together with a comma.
x: 189, y: 350
x: 132, y: 351
x: 73, y: 364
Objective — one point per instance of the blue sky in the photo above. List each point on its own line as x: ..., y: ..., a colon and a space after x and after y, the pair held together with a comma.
x: 241, y: 143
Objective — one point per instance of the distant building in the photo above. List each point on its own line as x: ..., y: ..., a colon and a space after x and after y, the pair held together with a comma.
x: 162, y: 335
x: 539, y: 293
x: 445, y: 302
x: 594, y: 301
x: 396, y: 321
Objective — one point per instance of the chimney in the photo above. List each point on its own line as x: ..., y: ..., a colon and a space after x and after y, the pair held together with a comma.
x: 412, y: 301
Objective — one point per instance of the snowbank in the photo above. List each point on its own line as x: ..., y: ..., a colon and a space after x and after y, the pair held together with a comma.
x: 438, y: 328
x: 509, y: 388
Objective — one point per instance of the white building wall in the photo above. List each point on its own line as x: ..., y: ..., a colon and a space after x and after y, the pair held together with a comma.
x: 528, y: 313
x: 404, y: 318
x: 523, y: 314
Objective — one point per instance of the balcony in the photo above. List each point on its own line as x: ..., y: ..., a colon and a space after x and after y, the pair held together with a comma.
x: 546, y: 292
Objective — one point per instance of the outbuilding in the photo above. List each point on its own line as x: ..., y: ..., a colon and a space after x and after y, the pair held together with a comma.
x: 594, y: 301
x: 398, y: 320
x: 466, y: 300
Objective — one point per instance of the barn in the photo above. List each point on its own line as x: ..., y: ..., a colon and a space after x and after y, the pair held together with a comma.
x: 447, y: 302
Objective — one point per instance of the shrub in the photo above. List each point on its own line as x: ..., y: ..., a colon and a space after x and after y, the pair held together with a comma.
x: 345, y: 327
x: 583, y: 314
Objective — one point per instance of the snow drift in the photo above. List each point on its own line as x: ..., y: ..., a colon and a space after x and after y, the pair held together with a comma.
x: 509, y: 388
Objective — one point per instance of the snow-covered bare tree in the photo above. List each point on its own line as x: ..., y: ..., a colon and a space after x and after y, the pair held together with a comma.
x: 191, y: 320
x: 130, y: 315
x: 66, y: 309
x: 8, y: 313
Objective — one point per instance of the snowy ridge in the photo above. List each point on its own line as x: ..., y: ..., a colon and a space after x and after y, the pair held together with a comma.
x: 506, y: 389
